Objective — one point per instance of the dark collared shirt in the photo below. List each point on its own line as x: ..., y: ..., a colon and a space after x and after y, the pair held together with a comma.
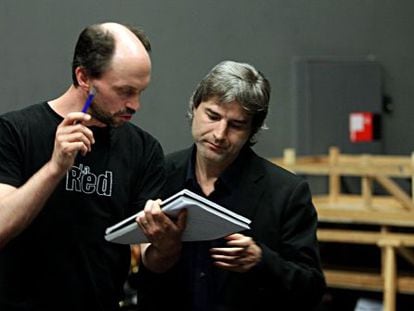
x: 204, y: 278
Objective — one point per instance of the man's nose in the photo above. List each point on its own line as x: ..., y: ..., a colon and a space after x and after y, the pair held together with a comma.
x: 220, y: 130
x: 133, y: 104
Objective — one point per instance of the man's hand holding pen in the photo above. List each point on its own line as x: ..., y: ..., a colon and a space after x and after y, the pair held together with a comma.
x: 72, y: 136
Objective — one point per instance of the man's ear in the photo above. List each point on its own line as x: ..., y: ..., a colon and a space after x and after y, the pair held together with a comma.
x: 82, y: 78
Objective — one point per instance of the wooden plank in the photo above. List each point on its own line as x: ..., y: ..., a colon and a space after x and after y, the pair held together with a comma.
x: 405, y: 284
x: 380, y: 203
x: 347, y: 236
x: 346, y: 170
x: 363, y: 237
x: 365, y: 217
x: 395, y: 191
x: 378, y: 160
x: 365, y: 281
x: 350, y: 165
x: 389, y: 272
x: 369, y: 170
x: 408, y: 254
x: 366, y: 189
x: 289, y: 156
x: 384, y: 210
x: 354, y: 159
x: 354, y: 280
x: 334, y: 178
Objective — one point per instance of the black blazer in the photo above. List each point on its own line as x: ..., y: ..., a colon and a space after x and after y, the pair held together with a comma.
x: 284, y: 223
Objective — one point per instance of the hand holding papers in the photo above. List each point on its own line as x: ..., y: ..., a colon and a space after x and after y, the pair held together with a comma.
x: 206, y: 220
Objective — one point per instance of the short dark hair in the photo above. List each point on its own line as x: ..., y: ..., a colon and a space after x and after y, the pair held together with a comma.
x: 232, y: 81
x: 95, y: 48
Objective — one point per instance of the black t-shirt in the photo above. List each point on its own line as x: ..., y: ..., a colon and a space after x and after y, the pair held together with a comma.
x: 62, y: 261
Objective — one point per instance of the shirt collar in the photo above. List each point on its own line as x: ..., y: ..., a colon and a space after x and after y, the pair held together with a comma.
x: 231, y: 176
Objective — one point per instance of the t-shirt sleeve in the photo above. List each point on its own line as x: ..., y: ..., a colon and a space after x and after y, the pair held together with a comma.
x: 10, y: 154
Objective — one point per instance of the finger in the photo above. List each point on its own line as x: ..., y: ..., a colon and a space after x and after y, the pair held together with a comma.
x: 239, y: 264
x: 142, y: 222
x: 155, y: 216
x: 182, y: 219
x: 239, y: 240
x: 234, y: 236
x: 139, y: 218
x: 227, y: 251
x: 76, y: 137
x: 143, y: 216
x: 76, y: 117
x: 87, y: 132
x: 75, y: 128
x: 74, y: 134
x: 150, y: 207
x: 224, y: 258
x: 69, y: 146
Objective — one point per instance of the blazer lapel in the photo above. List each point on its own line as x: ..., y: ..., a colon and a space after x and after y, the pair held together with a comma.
x: 250, y: 186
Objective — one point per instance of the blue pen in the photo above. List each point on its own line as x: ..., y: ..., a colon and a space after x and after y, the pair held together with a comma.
x: 88, y: 102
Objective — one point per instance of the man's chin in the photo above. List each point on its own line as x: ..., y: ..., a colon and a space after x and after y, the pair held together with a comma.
x: 215, y: 156
x: 118, y: 124
x: 111, y: 123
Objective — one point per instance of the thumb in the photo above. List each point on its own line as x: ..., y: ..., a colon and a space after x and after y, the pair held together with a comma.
x: 182, y: 219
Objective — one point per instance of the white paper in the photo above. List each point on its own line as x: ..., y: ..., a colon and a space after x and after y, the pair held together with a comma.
x: 364, y: 304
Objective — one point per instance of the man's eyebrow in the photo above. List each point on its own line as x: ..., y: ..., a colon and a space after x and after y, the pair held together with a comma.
x: 212, y: 111
x: 240, y: 121
x: 126, y: 88
x: 244, y: 120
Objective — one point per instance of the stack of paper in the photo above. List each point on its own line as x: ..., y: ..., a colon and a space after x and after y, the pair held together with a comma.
x: 364, y: 304
x: 206, y: 220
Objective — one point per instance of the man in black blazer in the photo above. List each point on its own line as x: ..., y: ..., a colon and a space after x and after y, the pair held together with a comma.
x: 273, y: 266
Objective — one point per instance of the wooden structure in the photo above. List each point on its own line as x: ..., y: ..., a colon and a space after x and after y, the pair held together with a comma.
x: 389, y: 213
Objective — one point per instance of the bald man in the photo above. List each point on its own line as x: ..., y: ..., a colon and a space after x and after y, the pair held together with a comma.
x: 66, y: 175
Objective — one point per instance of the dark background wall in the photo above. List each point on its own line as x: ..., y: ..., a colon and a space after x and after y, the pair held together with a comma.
x: 189, y: 37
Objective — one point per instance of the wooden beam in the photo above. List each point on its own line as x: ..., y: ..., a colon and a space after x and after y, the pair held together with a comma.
x: 354, y: 280
x: 396, y: 191
x: 365, y: 281
x: 289, y: 156
x: 406, y: 253
x: 359, y: 216
x: 389, y: 273
x: 365, y: 237
x: 334, y: 178
x: 366, y: 189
